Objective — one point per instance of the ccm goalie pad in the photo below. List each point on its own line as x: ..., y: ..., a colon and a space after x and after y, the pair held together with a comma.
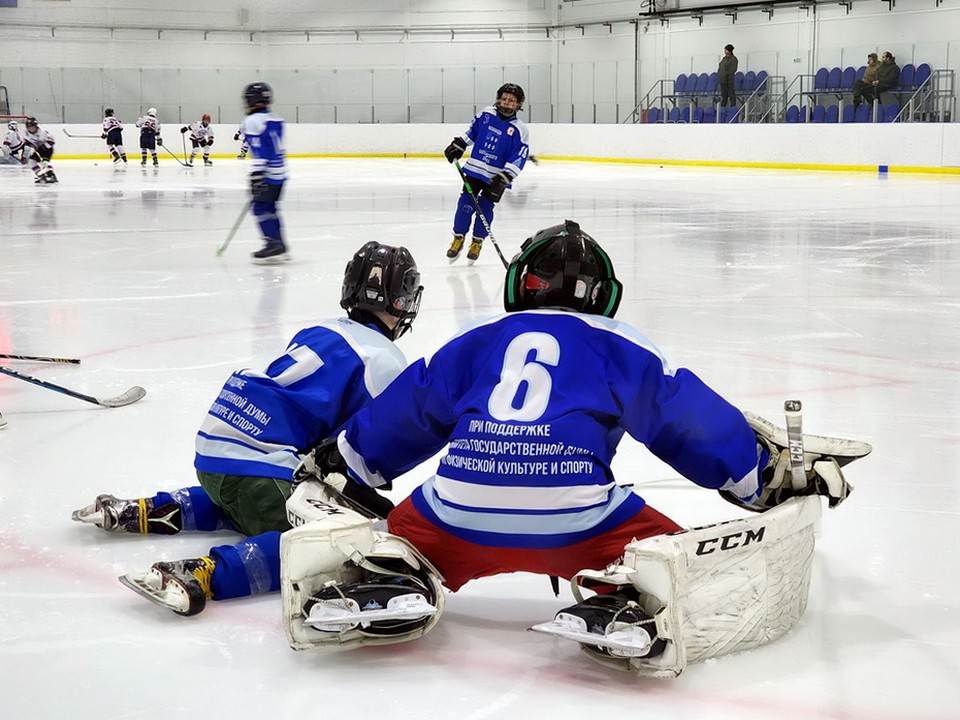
x: 820, y: 473
x: 698, y: 593
x: 345, y: 584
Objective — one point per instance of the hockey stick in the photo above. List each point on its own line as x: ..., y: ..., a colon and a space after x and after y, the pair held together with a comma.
x: 233, y: 230
x: 183, y: 141
x: 85, y: 137
x: 73, y: 361
x: 128, y: 398
x: 792, y: 409
x: 173, y: 155
x: 483, y: 218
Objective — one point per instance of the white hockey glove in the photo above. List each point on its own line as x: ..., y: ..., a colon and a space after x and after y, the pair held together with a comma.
x: 325, y: 465
x: 822, y: 459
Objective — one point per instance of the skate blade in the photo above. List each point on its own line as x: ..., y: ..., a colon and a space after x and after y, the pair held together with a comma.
x: 275, y: 260
x: 625, y: 641
x: 334, y: 618
x: 151, y: 586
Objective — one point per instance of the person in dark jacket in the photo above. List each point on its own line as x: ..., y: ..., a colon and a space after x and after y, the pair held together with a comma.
x: 726, y: 72
x: 888, y: 76
x: 864, y: 86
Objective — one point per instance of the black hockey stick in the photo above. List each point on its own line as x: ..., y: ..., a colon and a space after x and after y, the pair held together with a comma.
x: 233, y: 230
x: 128, y: 398
x: 483, y: 217
x: 86, y: 137
x: 172, y: 154
x: 34, y: 358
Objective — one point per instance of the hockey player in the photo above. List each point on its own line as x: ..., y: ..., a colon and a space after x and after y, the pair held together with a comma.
x: 247, y: 446
x: 529, y: 407
x: 38, y: 152
x: 113, y: 134
x: 244, y: 147
x: 13, y: 146
x: 149, y: 136
x: 500, y: 148
x: 201, y: 136
x: 263, y: 131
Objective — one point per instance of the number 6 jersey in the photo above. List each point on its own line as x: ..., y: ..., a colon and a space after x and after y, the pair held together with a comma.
x: 260, y: 420
x: 531, y: 407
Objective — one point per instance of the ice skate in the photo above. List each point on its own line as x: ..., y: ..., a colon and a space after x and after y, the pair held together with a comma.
x: 383, y: 608
x: 455, y: 247
x: 182, y: 586
x: 609, y: 625
x: 272, y: 254
x: 144, y: 160
x: 156, y: 162
x: 139, y: 516
x: 476, y: 245
x: 207, y: 162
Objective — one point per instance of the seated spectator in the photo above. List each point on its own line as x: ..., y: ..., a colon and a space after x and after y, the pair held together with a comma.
x: 866, y: 82
x: 888, y: 76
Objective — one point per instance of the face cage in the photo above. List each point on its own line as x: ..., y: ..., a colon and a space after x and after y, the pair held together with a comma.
x: 407, y: 315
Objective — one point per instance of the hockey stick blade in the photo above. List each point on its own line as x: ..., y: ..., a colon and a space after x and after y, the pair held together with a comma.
x: 128, y: 398
x: 35, y: 358
x: 85, y: 137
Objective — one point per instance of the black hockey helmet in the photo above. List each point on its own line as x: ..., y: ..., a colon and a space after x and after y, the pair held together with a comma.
x: 256, y: 96
x: 32, y: 122
x: 562, y: 267
x: 108, y: 112
x: 514, y: 90
x: 385, y: 278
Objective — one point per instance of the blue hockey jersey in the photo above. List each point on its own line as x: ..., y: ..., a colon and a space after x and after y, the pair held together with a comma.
x: 498, y: 144
x: 260, y: 420
x: 531, y: 407
x: 264, y: 134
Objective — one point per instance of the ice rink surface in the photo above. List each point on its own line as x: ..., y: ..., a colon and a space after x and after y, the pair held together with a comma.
x: 842, y: 290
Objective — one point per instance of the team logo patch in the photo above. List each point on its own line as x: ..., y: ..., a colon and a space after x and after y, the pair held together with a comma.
x: 510, y: 131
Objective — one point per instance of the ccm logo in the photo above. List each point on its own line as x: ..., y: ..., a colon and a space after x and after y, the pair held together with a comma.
x: 729, y: 542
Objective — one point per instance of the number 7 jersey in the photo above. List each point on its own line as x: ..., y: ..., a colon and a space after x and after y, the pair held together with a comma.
x: 260, y: 420
x: 531, y: 407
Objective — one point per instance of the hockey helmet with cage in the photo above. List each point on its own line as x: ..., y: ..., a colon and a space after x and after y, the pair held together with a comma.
x: 382, y: 278
x: 511, y: 89
x: 108, y: 112
x: 562, y: 267
x: 12, y: 125
x: 256, y: 96
x: 152, y: 112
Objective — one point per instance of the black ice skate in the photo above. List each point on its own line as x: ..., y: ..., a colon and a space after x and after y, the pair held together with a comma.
x: 611, y: 625
x: 182, y: 586
x: 390, y: 606
x: 272, y: 254
x: 132, y: 516
x: 208, y: 162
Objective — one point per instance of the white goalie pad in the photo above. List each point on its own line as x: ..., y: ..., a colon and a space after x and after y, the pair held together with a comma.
x: 718, y: 589
x: 339, y: 547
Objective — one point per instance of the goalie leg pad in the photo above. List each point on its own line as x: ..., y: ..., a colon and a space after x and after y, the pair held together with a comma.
x: 718, y: 589
x: 344, y: 584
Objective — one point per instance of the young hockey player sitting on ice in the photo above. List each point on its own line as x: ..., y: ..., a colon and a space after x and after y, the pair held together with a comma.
x: 246, y: 449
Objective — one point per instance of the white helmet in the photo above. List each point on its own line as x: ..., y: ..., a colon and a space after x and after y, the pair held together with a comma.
x: 12, y: 125
x: 152, y: 112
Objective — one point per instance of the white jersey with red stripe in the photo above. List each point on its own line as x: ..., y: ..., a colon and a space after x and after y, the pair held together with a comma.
x: 40, y: 139
x: 148, y: 124
x: 111, y: 123
x: 13, y: 142
x: 200, y: 132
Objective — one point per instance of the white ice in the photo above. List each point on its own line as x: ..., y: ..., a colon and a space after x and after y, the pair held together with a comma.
x: 842, y: 290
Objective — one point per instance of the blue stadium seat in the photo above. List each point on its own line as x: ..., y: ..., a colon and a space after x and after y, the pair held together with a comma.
x: 820, y: 80
x: 712, y: 83
x: 890, y: 112
x: 701, y: 87
x: 653, y: 116
x: 906, y: 76
x: 862, y: 114
x: 761, y: 83
x: 860, y: 71
x: 848, y: 113
x: 749, y: 81
x: 819, y: 114
x: 709, y: 115
x: 698, y: 115
x: 833, y: 78
x: 685, y: 114
x: 738, y: 82
x: 921, y: 75
x: 833, y: 114
x: 847, y: 78
x: 674, y: 115
x: 680, y: 84
x: 793, y: 114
